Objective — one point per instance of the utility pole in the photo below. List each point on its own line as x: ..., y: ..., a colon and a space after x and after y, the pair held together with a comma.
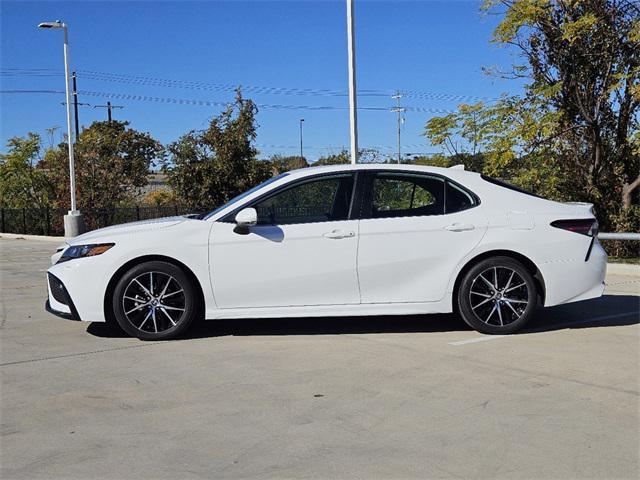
x: 75, y: 104
x: 109, y: 107
x: 301, y: 122
x: 399, y: 110
x: 353, y: 103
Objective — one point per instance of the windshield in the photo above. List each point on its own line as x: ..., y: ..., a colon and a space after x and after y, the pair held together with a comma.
x: 245, y: 194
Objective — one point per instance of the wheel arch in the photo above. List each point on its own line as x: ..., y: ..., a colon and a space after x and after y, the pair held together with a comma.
x: 527, y: 262
x: 107, y: 306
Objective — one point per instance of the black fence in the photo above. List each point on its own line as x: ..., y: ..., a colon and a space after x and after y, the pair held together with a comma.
x: 49, y: 221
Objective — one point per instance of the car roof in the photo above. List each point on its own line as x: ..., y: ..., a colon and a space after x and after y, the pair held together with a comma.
x: 449, y: 172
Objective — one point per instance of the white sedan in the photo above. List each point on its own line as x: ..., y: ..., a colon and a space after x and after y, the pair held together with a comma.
x: 338, y: 241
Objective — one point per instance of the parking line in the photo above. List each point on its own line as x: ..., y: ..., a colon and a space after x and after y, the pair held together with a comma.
x: 486, y: 338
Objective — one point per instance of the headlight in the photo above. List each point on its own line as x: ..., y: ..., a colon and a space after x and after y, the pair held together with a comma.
x: 80, y: 251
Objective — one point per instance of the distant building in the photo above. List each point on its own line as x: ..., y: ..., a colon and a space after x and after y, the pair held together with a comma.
x: 157, y: 181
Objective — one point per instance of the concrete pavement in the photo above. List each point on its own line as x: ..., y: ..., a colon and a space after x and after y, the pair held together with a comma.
x: 381, y: 397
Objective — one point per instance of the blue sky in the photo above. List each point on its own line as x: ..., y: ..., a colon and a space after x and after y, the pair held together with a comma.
x: 287, y: 54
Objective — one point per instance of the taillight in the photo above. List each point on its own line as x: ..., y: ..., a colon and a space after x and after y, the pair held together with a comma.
x: 587, y: 226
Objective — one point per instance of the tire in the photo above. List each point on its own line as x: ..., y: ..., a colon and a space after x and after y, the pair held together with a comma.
x: 501, y: 310
x: 155, y: 301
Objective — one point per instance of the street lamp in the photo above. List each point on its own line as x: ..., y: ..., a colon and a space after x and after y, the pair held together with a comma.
x: 301, y: 122
x: 353, y: 104
x: 73, y: 222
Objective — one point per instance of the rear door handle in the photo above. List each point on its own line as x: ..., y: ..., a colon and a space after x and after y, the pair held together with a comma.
x: 459, y: 227
x: 338, y: 234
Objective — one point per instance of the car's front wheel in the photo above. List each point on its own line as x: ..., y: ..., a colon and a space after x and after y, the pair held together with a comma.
x: 497, y: 296
x: 154, y: 301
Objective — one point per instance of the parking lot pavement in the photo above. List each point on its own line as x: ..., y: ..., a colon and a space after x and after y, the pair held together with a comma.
x: 376, y: 397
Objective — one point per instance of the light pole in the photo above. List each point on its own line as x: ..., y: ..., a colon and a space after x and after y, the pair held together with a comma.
x: 301, y: 122
x: 353, y: 105
x: 73, y: 222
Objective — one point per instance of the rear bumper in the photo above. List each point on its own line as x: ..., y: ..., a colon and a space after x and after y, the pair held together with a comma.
x: 576, y: 280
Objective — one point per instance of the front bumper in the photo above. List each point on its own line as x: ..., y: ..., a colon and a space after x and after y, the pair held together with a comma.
x: 59, y: 302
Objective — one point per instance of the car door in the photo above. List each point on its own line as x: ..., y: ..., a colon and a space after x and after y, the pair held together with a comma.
x: 301, y: 252
x: 414, y: 231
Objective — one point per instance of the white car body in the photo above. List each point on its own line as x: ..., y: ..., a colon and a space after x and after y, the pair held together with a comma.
x: 374, y: 266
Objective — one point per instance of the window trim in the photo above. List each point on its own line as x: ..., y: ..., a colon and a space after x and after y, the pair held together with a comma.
x: 509, y: 186
x: 367, y: 196
x: 473, y: 196
x: 230, y: 217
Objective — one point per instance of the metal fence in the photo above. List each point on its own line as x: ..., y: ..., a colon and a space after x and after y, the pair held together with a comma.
x: 49, y: 221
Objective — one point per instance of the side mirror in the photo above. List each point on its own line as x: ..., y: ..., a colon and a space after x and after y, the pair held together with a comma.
x: 245, y: 218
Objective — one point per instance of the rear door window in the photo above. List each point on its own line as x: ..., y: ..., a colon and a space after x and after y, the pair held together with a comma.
x: 405, y: 195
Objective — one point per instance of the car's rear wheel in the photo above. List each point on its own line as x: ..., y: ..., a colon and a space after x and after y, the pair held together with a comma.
x: 154, y: 301
x: 497, y: 296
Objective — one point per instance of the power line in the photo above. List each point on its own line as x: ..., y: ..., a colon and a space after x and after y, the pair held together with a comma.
x: 33, y: 91
x: 211, y: 103
x: 219, y: 87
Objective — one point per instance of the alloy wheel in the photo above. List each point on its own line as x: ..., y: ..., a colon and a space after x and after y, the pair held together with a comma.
x: 499, y: 296
x: 154, y: 302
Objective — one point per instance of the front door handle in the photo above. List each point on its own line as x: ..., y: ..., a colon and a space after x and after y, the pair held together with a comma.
x: 459, y: 227
x: 338, y: 234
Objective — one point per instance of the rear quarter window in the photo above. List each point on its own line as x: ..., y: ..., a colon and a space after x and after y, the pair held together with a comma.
x: 458, y: 199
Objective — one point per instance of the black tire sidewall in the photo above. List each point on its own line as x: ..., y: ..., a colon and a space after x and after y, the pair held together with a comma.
x: 157, y: 266
x: 464, y: 307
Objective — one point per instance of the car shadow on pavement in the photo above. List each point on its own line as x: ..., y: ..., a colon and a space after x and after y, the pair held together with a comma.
x: 608, y: 311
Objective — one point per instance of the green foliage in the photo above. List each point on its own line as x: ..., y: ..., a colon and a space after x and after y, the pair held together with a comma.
x: 111, y: 162
x: 281, y: 164
x: 574, y: 132
x: 162, y: 197
x: 22, y: 183
x: 334, y: 159
x: 310, y: 201
x: 208, y: 168
x: 628, y: 220
x: 371, y: 155
x: 471, y: 162
x: 519, y: 15
x: 510, y: 139
x: 365, y: 155
x: 398, y: 194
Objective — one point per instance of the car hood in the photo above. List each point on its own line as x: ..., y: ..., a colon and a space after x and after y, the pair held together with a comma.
x: 104, y: 234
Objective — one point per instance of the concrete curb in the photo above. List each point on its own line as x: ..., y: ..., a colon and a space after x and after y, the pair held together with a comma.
x: 623, y: 269
x: 19, y: 236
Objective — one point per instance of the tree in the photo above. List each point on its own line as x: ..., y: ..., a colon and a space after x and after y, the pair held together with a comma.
x: 574, y: 131
x: 596, y: 95
x: 22, y: 183
x: 111, y: 162
x: 207, y: 168
x: 162, y: 197
x: 511, y: 139
x: 371, y: 155
x: 333, y: 159
x: 365, y: 155
x: 280, y: 163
